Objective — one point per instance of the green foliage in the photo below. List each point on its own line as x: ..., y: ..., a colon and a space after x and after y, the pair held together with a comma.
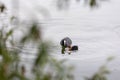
x: 102, y: 72
x: 9, y: 64
x: 65, y: 4
x: 2, y: 8
x: 110, y: 58
x: 34, y: 34
x: 64, y: 72
x: 44, y: 66
x: 93, y: 3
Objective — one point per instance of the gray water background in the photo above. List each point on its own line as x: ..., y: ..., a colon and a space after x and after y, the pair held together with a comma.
x: 96, y: 32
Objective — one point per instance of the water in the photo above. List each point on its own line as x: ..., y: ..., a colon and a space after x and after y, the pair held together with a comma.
x: 96, y: 32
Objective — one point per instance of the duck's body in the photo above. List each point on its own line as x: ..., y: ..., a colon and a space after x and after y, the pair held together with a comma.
x: 66, y: 45
x: 66, y: 42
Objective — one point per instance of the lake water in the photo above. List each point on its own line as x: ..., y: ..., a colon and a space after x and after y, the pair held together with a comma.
x: 96, y: 32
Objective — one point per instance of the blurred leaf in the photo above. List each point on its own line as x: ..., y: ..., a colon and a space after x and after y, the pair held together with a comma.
x: 24, y: 39
x: 42, y: 57
x: 93, y: 3
x: 12, y: 18
x: 101, y: 73
x: 9, y: 34
x: 110, y: 58
x: 16, y: 76
x: 2, y: 7
x: 35, y: 32
x: 47, y: 77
